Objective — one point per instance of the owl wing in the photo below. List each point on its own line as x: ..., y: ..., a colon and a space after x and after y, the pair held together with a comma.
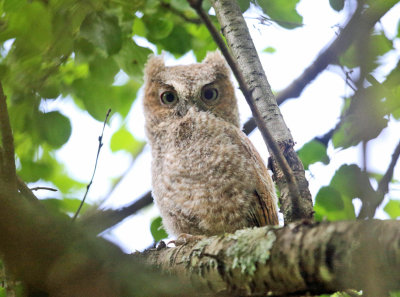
x: 264, y: 193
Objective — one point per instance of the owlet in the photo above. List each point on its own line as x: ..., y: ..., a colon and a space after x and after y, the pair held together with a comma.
x: 207, y: 176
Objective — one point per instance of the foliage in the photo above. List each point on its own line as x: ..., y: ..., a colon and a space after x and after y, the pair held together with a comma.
x: 57, y: 49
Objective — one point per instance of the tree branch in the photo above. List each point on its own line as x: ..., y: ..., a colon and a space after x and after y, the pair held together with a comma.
x: 180, y: 13
x: 369, y: 207
x: 101, y: 220
x: 288, y: 171
x: 8, y: 171
x: 365, y: 20
x: 327, y: 56
x: 301, y: 257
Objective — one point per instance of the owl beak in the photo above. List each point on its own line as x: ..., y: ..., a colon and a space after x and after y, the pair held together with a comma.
x: 181, y: 110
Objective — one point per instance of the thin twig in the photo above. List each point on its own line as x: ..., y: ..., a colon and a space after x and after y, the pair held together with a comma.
x: 268, y: 138
x: 8, y: 159
x: 95, y: 166
x: 43, y: 188
x: 329, y: 55
x: 180, y: 13
x: 368, y: 209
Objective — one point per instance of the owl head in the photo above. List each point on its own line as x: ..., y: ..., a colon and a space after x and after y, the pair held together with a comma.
x: 170, y: 92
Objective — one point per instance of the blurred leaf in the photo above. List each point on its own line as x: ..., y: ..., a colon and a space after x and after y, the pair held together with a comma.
x: 282, y: 12
x: 157, y: 26
x: 312, y: 152
x: 377, y: 45
x: 337, y: 5
x: 50, y: 88
x: 244, y: 5
x: 139, y: 28
x: 331, y: 205
x: 31, y: 171
x: 103, y: 69
x: 364, y: 119
x: 157, y: 230
x: 178, y: 42
x: 132, y: 58
x: 55, y: 128
x: 102, y: 30
x: 202, y: 41
x: 329, y: 198
x: 269, y: 50
x: 395, y: 294
x: 66, y: 205
x: 392, y: 208
x: 124, y: 140
x: 3, y: 292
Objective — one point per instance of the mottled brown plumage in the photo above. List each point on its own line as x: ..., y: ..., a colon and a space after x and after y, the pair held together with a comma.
x: 207, y: 176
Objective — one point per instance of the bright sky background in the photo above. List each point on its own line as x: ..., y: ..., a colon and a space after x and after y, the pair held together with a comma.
x: 314, y: 113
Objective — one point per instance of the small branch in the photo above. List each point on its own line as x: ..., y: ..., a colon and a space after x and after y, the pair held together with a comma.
x: 43, y: 188
x: 95, y: 166
x: 368, y: 209
x: 101, y: 220
x: 329, y: 55
x: 8, y: 159
x: 180, y: 13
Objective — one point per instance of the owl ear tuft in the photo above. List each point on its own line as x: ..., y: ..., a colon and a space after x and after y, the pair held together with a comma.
x: 154, y: 65
x: 218, y: 62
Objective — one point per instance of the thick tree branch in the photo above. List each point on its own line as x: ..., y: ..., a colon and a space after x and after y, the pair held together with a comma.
x: 7, y: 170
x: 360, y: 19
x: 301, y: 257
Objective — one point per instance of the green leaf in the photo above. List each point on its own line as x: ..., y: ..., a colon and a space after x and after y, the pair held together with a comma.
x: 32, y: 171
x: 132, y: 59
x: 3, y: 292
x: 139, y: 28
x: 331, y: 205
x: 158, y: 27
x: 392, y: 208
x: 55, y: 128
x: 103, y: 31
x: 178, y: 42
x: 282, y: 12
x: 377, y: 45
x: 312, y: 152
x: 337, y: 5
x: 330, y: 199
x: 103, y: 69
x: 123, y: 140
x: 269, y: 50
x: 244, y: 5
x: 157, y: 230
x: 66, y: 205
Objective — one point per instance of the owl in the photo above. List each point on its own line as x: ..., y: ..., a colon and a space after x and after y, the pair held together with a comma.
x: 207, y: 177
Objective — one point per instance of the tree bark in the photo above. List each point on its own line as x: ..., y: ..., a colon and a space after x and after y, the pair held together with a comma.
x: 298, y: 258
x: 263, y: 103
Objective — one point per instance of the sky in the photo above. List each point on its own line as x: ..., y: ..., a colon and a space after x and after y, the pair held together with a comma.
x: 315, y: 112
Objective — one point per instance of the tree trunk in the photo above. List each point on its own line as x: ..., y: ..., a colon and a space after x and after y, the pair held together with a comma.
x: 299, y: 258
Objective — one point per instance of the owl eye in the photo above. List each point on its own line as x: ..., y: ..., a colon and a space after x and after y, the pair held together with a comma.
x: 209, y: 95
x: 169, y: 98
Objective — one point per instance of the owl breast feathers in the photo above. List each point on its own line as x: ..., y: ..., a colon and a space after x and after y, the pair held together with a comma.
x: 207, y: 176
